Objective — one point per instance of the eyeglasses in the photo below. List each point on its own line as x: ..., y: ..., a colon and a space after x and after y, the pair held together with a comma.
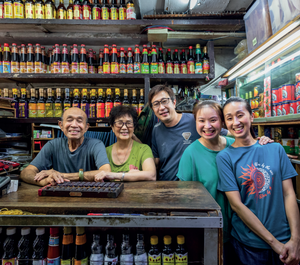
x: 164, y: 102
x: 120, y: 124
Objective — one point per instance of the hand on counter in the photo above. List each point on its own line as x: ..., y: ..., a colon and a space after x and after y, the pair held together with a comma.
x: 107, y: 175
x: 51, y: 176
x: 44, y: 174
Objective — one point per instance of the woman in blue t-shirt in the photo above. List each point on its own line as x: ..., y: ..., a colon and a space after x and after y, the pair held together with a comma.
x: 257, y: 182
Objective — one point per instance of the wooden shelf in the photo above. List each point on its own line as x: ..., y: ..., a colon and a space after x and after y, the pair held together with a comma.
x: 46, y: 120
x: 282, y: 120
x: 9, y: 171
x: 42, y: 139
x: 9, y: 139
x: 36, y: 151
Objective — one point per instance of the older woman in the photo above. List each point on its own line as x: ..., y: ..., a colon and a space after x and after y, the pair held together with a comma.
x: 129, y: 160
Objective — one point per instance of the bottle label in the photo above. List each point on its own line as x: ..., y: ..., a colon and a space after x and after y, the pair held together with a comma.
x: 1, y: 67
x: 183, y: 68
x: 114, y: 13
x: 96, y: 259
x: 137, y: 68
x: 190, y: 67
x: 122, y: 68
x: 76, y: 105
x: 161, y: 68
x: 100, y: 69
x: 16, y: 107
x: 1, y: 10
x: 29, y: 10
x: 129, y: 68
x: 41, y: 113
x: 49, y: 11
x: 86, y: 12
x: 39, y: 11
x: 141, y: 259
x: 126, y: 259
x: 15, y: 67
x: 100, y: 110
x: 154, y: 259
x: 30, y: 67
x: 67, y: 106
x: 91, y: 69
x: 198, y: 68
x: 83, y: 68
x: 154, y: 68
x: 66, y: 262
x: 104, y: 13
x: 38, y: 67
x: 110, y: 261
x: 61, y: 14
x: 81, y: 262
x: 49, y: 110
x: 130, y: 13
x: 168, y: 259
x: 122, y: 13
x: 70, y: 13
x: 106, y: 68
x: 58, y: 111
x: 56, y: 67
x: 205, y: 66
x: 114, y: 68
x: 108, y: 107
x: 6, y: 67
x: 75, y: 68
x: 55, y: 261
x: 176, y: 68
x: 136, y: 106
x: 32, y: 110
x: 23, y: 67
x: 92, y: 110
x: 8, y: 10
x: 85, y: 108
x: 18, y: 10
x: 39, y: 262
x: 145, y: 68
x: 169, y: 68
x: 96, y: 13
x: 181, y: 259
x: 9, y: 261
x: 141, y: 107
x: 23, y: 110
x: 65, y: 68
x: 117, y: 104
x: 77, y: 12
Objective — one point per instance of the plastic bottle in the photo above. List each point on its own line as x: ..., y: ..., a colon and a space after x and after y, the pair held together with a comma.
x: 167, y: 253
x: 141, y: 256
x: 110, y: 257
x: 96, y: 257
x: 39, y: 254
x: 6, y: 59
x: 130, y: 12
x: 154, y: 61
x: 145, y: 64
x: 67, y: 247
x: 80, y: 257
x: 181, y: 255
x: 23, y: 257
x: 137, y: 60
x: 10, y: 247
x: 126, y: 257
x: 154, y: 255
x: 53, y: 257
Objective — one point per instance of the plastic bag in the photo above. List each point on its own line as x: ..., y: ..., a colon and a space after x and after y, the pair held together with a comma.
x: 241, y: 47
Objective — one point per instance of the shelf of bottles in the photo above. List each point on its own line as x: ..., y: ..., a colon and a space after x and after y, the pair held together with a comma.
x: 50, y: 103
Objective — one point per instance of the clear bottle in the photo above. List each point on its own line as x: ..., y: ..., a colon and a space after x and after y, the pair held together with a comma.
x: 10, y: 247
x: 39, y: 254
x: 140, y: 257
x: 154, y: 255
x: 181, y: 254
x: 167, y: 253
x: 24, y: 257
x: 110, y: 257
x: 96, y: 257
x: 61, y: 10
x: 198, y: 62
x: 126, y: 257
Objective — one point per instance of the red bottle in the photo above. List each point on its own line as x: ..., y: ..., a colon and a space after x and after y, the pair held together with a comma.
x: 53, y: 256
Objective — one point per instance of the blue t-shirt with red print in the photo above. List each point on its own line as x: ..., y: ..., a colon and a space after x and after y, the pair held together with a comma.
x: 257, y: 172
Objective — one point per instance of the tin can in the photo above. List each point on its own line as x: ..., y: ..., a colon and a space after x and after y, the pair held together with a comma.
x: 279, y: 109
x: 298, y: 106
x: 293, y: 107
x: 285, y: 107
x: 288, y: 92
x: 297, y: 90
x: 274, y: 109
x: 280, y: 94
x: 297, y: 77
x: 275, y: 96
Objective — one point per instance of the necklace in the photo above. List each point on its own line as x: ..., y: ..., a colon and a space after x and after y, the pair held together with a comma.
x: 121, y: 163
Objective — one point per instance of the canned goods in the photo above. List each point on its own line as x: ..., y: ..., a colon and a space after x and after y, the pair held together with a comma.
x: 297, y: 90
x: 279, y: 109
x: 279, y: 94
x: 293, y: 107
x: 288, y: 92
x: 274, y: 109
x: 285, y: 107
x: 298, y: 106
x: 275, y: 95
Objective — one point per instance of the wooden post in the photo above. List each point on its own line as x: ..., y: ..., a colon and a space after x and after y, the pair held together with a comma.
x: 298, y: 181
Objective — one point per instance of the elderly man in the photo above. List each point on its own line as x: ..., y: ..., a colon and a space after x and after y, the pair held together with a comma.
x: 73, y: 158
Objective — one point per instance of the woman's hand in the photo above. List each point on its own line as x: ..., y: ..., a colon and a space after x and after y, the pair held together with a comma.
x: 264, y: 140
x: 99, y: 177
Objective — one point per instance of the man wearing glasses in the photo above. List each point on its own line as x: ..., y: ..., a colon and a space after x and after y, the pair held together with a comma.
x: 173, y: 134
x: 73, y: 158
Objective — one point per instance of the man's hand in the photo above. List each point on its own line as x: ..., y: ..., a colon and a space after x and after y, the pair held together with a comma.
x: 99, y: 177
x: 264, y: 140
x: 292, y: 156
x: 290, y: 253
x: 44, y: 174
x: 53, y: 178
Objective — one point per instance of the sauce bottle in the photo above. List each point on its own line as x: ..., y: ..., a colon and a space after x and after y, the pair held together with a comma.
x: 129, y: 62
x: 191, y: 62
x: 176, y: 65
x: 167, y: 253
x: 10, y: 247
x: 49, y: 108
x: 38, y: 64
x: 23, y: 105
x: 58, y: 106
x: 18, y: 9
x: 141, y: 101
x: 183, y: 65
x: 206, y: 66
x: 117, y: 101
x: 81, y: 257
x: 114, y: 66
x: 96, y: 11
x: 49, y: 11
x: 65, y: 68
x: 23, y: 246
x: 39, y: 9
x: 6, y: 59
x: 15, y: 65
x: 76, y: 100
x: 150, y: 55
x: 141, y: 256
x: 126, y: 257
x: 15, y: 101
x: 93, y: 103
x: 67, y: 246
x: 29, y: 9
x: 110, y: 257
x: 126, y: 101
x: 100, y: 62
x: 75, y: 60
x: 1, y: 9
x: 39, y: 255
x: 56, y: 60
x: 108, y: 103
x: 154, y: 66
x: 50, y: 58
x: 104, y: 10
x: 91, y: 68
x: 77, y: 9
x: 30, y: 59
x: 61, y: 10
x: 134, y: 102
x: 122, y: 10
x: 86, y: 10
x: 96, y: 257
x: 161, y: 62
x: 106, y: 63
x: 41, y: 107
x: 67, y: 100
x: 100, y: 104
x: 32, y: 105
x: 8, y: 9
x: 198, y: 63
x: 83, y: 65
x: 85, y: 102
x: 1, y: 58
x: 53, y: 257
x: 114, y: 11
x: 145, y: 63
x: 130, y: 12
x: 70, y: 10
x: 169, y: 62
x: 137, y: 60
x: 181, y: 254
x: 154, y: 255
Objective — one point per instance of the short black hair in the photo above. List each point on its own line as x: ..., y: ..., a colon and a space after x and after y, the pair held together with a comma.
x: 156, y: 89
x: 121, y: 111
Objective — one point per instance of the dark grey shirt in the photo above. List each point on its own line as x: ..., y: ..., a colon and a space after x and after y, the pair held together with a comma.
x: 91, y: 155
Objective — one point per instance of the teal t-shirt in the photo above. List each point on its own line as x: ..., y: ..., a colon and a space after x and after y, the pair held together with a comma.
x: 198, y: 163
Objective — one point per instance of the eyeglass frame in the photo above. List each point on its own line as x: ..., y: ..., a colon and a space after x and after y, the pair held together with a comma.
x: 160, y: 103
x: 125, y: 124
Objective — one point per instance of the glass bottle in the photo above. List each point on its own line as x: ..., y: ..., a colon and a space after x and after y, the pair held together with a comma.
x: 106, y: 62
x: 181, y: 254
x: 67, y: 247
x: 49, y: 105
x: 145, y: 63
x: 83, y: 61
x: 104, y: 10
x: 114, y: 66
x: 76, y: 99
x: 96, y: 257
x: 58, y: 104
x: 84, y: 105
x: 122, y: 64
x: 9, y: 246
x: 49, y: 12
x: 65, y: 68
x: 30, y: 59
x: 96, y: 10
x: 6, y: 59
x: 206, y: 66
x: 91, y: 69
x: 117, y: 101
x: 15, y: 101
x: 77, y: 10
x: 86, y: 10
x: 150, y: 55
x: 198, y: 62
x: 41, y: 108
x: 38, y: 64
x: 15, y: 65
x: 126, y: 257
x: 176, y: 65
x: 70, y: 14
x: 100, y: 62
x: 57, y: 60
x: 49, y: 55
x: 129, y: 62
x: 191, y: 61
x: 75, y: 60
x: 1, y: 56
x: 39, y: 254
x: 93, y: 104
x: 169, y: 62
x: 108, y: 103
x: 130, y: 12
x: 167, y: 253
x: 122, y: 10
x: 126, y: 101
x: 81, y: 257
x: 134, y: 102
x: 161, y: 62
x: 100, y: 104
x: 114, y: 11
x: 32, y: 105
x: 137, y: 60
x: 141, y: 101
x: 23, y: 104
x: 39, y: 9
x: 61, y: 10
x: 154, y: 255
x: 67, y: 99
x: 183, y: 65
x: 154, y: 64
x: 141, y: 256
x: 110, y: 256
x: 8, y: 9
x: 18, y: 9
x: 29, y: 9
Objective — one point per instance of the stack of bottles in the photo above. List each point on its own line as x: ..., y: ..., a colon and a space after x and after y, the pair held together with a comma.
x: 110, y: 60
x: 77, y: 9
x: 24, y: 251
x: 48, y: 103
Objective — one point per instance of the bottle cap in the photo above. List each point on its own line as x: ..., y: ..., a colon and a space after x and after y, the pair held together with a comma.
x: 190, y: 47
x: 197, y: 46
x: 167, y: 240
x: 14, y: 44
x: 25, y: 231
x: 180, y: 240
x: 175, y: 50
x: 40, y: 231
x: 96, y: 237
x: 129, y: 49
x: 168, y: 50
x: 37, y: 44
x: 43, y: 47
x: 54, y: 231
x: 10, y: 231
x: 80, y: 230
x: 82, y: 45
x: 75, y: 45
x: 6, y: 45
x: 110, y: 237
x: 67, y: 230
x: 154, y: 240
x: 65, y: 45
x: 23, y: 45
x: 140, y: 237
x: 145, y: 46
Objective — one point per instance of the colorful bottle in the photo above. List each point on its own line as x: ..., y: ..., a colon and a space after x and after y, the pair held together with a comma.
x: 106, y: 62
x: 86, y: 10
x: 1, y: 58
x: 100, y: 62
x: 93, y: 104
x: 70, y: 14
x: 191, y: 61
x: 75, y: 60
x: 67, y: 100
x: 130, y: 12
x: 76, y: 100
x: 104, y: 10
x: 141, y: 256
x: 145, y: 63
x: 29, y: 9
x: 108, y: 103
x: 53, y: 255
x: 96, y: 257
x: 10, y: 247
x: 169, y: 63
x: 58, y: 105
x: 39, y: 254
x: 126, y: 257
x: 77, y: 10
x: 49, y: 11
x: 122, y: 64
x: 96, y: 11
x: 100, y: 104
x: 6, y: 59
x: 114, y: 11
x: 206, y: 66
x: 84, y: 105
x: 61, y: 10
x: 117, y: 101
x: 141, y: 101
x: 154, y: 255
x: 110, y: 256
x: 41, y: 106
x: 24, y: 247
x: 57, y: 60
x: 8, y: 9
x: 83, y: 60
x: 65, y: 68
x: 23, y: 104
x: 198, y: 63
x: 167, y: 253
x: 15, y: 101
x: 134, y: 102
x: 181, y: 254
x: 67, y: 247
x: 30, y: 59
x: 49, y: 105
x: 154, y: 65
x: 161, y: 62
x: 80, y: 257
x: 32, y: 105
x: 44, y: 60
x: 137, y: 60
x: 183, y: 65
x: 122, y: 10
x: 39, y: 9
x: 38, y: 64
x: 18, y: 9
x: 114, y: 65
x: 176, y: 66
x: 129, y: 62
x: 15, y: 65
x: 126, y: 101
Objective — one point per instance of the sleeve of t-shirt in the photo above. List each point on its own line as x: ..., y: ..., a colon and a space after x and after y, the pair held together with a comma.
x: 185, y: 167
x: 154, y: 145
x: 224, y: 132
x: 146, y: 153
x: 227, y: 180
x: 287, y: 169
x: 43, y: 161
x: 100, y: 154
